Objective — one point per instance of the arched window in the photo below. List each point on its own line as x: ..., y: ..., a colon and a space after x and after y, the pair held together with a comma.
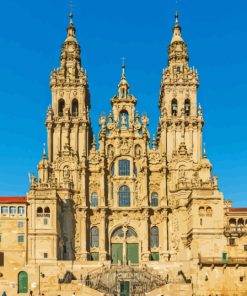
x: 241, y: 222
x: 131, y: 233
x: 174, y: 107
x: 232, y: 222
x: 94, y: 199
x: 39, y: 210
x: 124, y: 167
x: 94, y: 237
x: 154, y: 199
x: 61, y: 105
x: 154, y: 237
x: 124, y: 196
x: 187, y: 107
x: 124, y: 119
x: 12, y: 210
x: 201, y: 211
x: 47, y: 210
x: 112, y: 170
x: 135, y: 170
x: 209, y: 212
x: 74, y: 107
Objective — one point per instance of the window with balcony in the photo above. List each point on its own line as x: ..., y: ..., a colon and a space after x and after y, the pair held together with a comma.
x: 94, y: 199
x: 124, y: 167
x: 154, y: 237
x: 124, y: 196
x: 94, y: 242
x: 154, y: 199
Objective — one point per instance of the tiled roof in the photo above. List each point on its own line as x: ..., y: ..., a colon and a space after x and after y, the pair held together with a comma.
x: 237, y: 210
x: 13, y: 199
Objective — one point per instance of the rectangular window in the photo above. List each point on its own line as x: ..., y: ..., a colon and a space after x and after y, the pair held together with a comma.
x: 20, y: 224
x: 232, y: 241
x: 20, y: 238
x: 1, y: 258
x: 4, y: 210
x: 45, y: 255
x: 124, y: 167
x: 45, y: 221
x: 12, y: 210
x: 21, y: 210
x: 245, y: 247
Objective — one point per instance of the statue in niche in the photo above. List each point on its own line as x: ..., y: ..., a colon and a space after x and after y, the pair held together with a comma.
x: 66, y: 172
x: 110, y: 151
x: 181, y: 172
x: 138, y: 151
x: 124, y: 120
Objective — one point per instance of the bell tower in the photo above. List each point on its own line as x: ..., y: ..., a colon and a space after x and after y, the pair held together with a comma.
x: 180, y: 121
x: 68, y: 122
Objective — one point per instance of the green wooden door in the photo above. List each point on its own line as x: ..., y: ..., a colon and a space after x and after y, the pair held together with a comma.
x: 117, y: 253
x: 22, y: 282
x: 133, y: 253
x: 124, y: 288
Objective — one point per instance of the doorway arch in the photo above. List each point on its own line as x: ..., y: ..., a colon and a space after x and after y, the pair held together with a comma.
x: 22, y: 282
x: 124, y: 246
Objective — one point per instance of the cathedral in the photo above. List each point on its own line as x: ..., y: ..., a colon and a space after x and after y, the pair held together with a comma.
x: 126, y: 214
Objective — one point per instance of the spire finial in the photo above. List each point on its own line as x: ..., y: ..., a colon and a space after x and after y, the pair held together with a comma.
x: 123, y: 67
x: 44, y: 151
x: 176, y: 18
x: 204, y: 151
x: 71, y: 13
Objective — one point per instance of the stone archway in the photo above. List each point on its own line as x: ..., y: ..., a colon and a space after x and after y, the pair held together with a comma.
x: 124, y: 246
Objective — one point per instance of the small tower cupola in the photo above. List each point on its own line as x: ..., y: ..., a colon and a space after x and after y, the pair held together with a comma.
x: 123, y: 86
x: 178, y: 53
x: 71, y: 29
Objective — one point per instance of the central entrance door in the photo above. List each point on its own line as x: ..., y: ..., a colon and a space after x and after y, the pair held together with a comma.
x: 117, y: 253
x: 124, y: 288
x: 133, y: 253
x: 124, y: 246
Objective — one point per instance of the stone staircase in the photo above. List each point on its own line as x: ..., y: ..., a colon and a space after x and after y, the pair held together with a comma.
x: 107, y: 280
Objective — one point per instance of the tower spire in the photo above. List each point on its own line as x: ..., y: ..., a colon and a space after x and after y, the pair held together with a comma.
x: 123, y: 86
x: 177, y: 30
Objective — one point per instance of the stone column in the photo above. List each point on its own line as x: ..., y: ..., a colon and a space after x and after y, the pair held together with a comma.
x: 102, y: 236
x: 83, y: 234
x: 163, y: 236
x: 145, y: 253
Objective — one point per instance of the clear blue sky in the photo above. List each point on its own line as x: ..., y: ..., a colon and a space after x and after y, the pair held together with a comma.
x: 140, y: 30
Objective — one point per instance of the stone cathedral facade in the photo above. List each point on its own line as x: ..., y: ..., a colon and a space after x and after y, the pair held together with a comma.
x: 129, y: 215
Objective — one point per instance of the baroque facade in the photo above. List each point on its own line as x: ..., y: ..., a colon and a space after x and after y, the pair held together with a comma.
x: 128, y: 215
